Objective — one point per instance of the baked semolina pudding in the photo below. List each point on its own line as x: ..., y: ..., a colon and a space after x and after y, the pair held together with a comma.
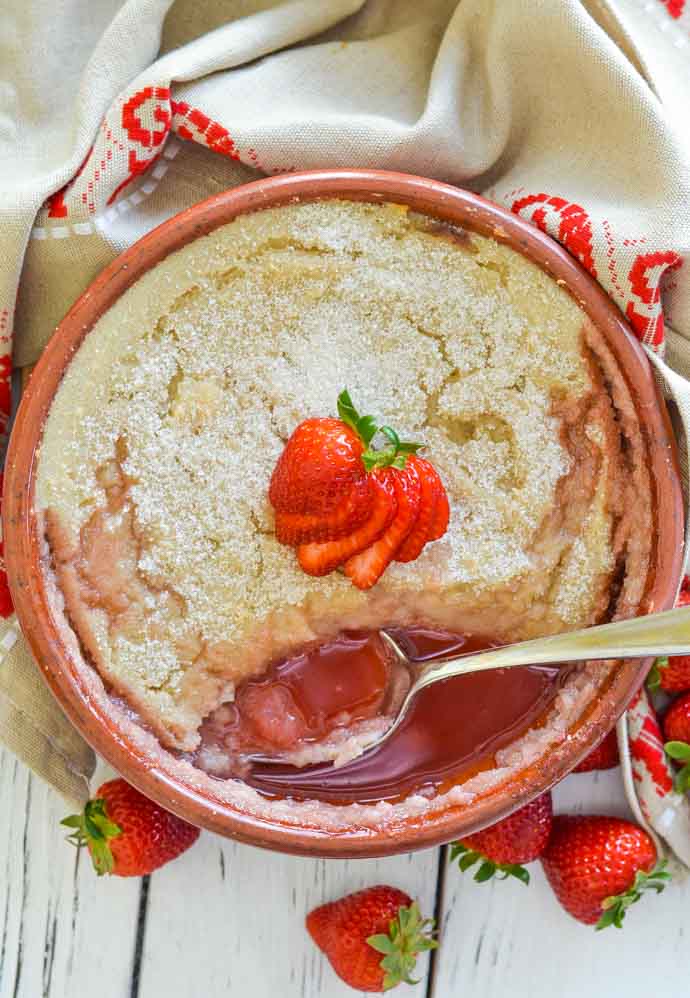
x: 161, y: 441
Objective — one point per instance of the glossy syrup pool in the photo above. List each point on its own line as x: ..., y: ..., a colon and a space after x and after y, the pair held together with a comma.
x: 453, y: 729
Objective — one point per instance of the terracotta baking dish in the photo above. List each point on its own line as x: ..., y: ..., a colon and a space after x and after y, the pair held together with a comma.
x: 22, y: 541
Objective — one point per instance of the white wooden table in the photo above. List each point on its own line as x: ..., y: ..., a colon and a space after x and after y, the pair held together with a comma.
x: 227, y: 920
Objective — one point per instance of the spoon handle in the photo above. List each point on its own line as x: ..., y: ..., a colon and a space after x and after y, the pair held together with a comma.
x: 640, y: 637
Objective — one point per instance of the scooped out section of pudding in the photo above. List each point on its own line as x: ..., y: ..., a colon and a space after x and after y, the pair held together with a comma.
x: 153, y: 482
x: 326, y: 702
x: 330, y: 702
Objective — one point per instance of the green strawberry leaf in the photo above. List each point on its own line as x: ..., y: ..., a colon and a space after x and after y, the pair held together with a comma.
x: 93, y: 828
x: 514, y: 870
x: 485, y: 872
x: 488, y: 868
x: 682, y: 780
x: 469, y: 861
x: 408, y: 935
x: 73, y: 821
x: 678, y: 750
x: 615, y: 907
x: 654, y: 677
x: 367, y: 428
x: 394, y: 454
x: 347, y: 411
x: 381, y: 943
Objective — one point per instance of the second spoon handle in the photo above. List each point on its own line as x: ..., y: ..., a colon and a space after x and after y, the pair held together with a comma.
x: 640, y: 637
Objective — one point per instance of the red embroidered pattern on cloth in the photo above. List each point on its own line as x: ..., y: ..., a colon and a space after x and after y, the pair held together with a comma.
x: 129, y: 142
x: 145, y: 120
x: 649, y: 762
x: 646, y: 278
x: 674, y: 7
x: 192, y: 124
x: 570, y: 221
x: 637, y: 290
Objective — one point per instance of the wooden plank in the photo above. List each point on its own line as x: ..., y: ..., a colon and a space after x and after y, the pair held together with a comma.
x: 501, y: 937
x: 63, y: 932
x: 226, y: 919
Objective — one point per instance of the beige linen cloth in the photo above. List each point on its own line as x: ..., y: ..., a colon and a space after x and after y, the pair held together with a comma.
x: 114, y: 116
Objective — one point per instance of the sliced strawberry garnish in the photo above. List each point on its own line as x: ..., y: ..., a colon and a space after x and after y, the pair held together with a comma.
x: 366, y: 568
x: 431, y: 487
x: 305, y: 528
x: 439, y: 522
x: 350, y: 492
x: 320, y: 559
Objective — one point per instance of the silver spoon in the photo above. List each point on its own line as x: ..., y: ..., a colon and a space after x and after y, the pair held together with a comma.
x: 641, y: 637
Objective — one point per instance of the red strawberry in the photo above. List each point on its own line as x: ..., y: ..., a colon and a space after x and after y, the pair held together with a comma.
x: 321, y: 462
x: 673, y: 674
x: 367, y: 567
x: 320, y: 559
x: 676, y: 725
x: 305, y: 528
x: 431, y: 489
x: 604, y: 756
x: 127, y: 834
x: 670, y: 674
x: 598, y: 866
x: 504, y: 847
x: 324, y: 458
x: 355, y: 931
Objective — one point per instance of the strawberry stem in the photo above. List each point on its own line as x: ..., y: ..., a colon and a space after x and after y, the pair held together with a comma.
x: 614, y: 908
x: 408, y: 935
x: 395, y: 454
x: 93, y: 828
x: 487, y: 867
x: 654, y: 674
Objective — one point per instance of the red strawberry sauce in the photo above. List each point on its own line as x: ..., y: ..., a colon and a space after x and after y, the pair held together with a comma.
x: 454, y: 728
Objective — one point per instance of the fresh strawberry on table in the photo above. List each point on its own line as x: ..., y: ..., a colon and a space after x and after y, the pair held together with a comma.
x: 670, y: 674
x: 598, y: 866
x: 673, y: 674
x: 504, y: 847
x: 676, y: 726
x: 604, y: 756
x: 341, y: 502
x: 676, y: 722
x: 372, y: 938
x: 126, y: 833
